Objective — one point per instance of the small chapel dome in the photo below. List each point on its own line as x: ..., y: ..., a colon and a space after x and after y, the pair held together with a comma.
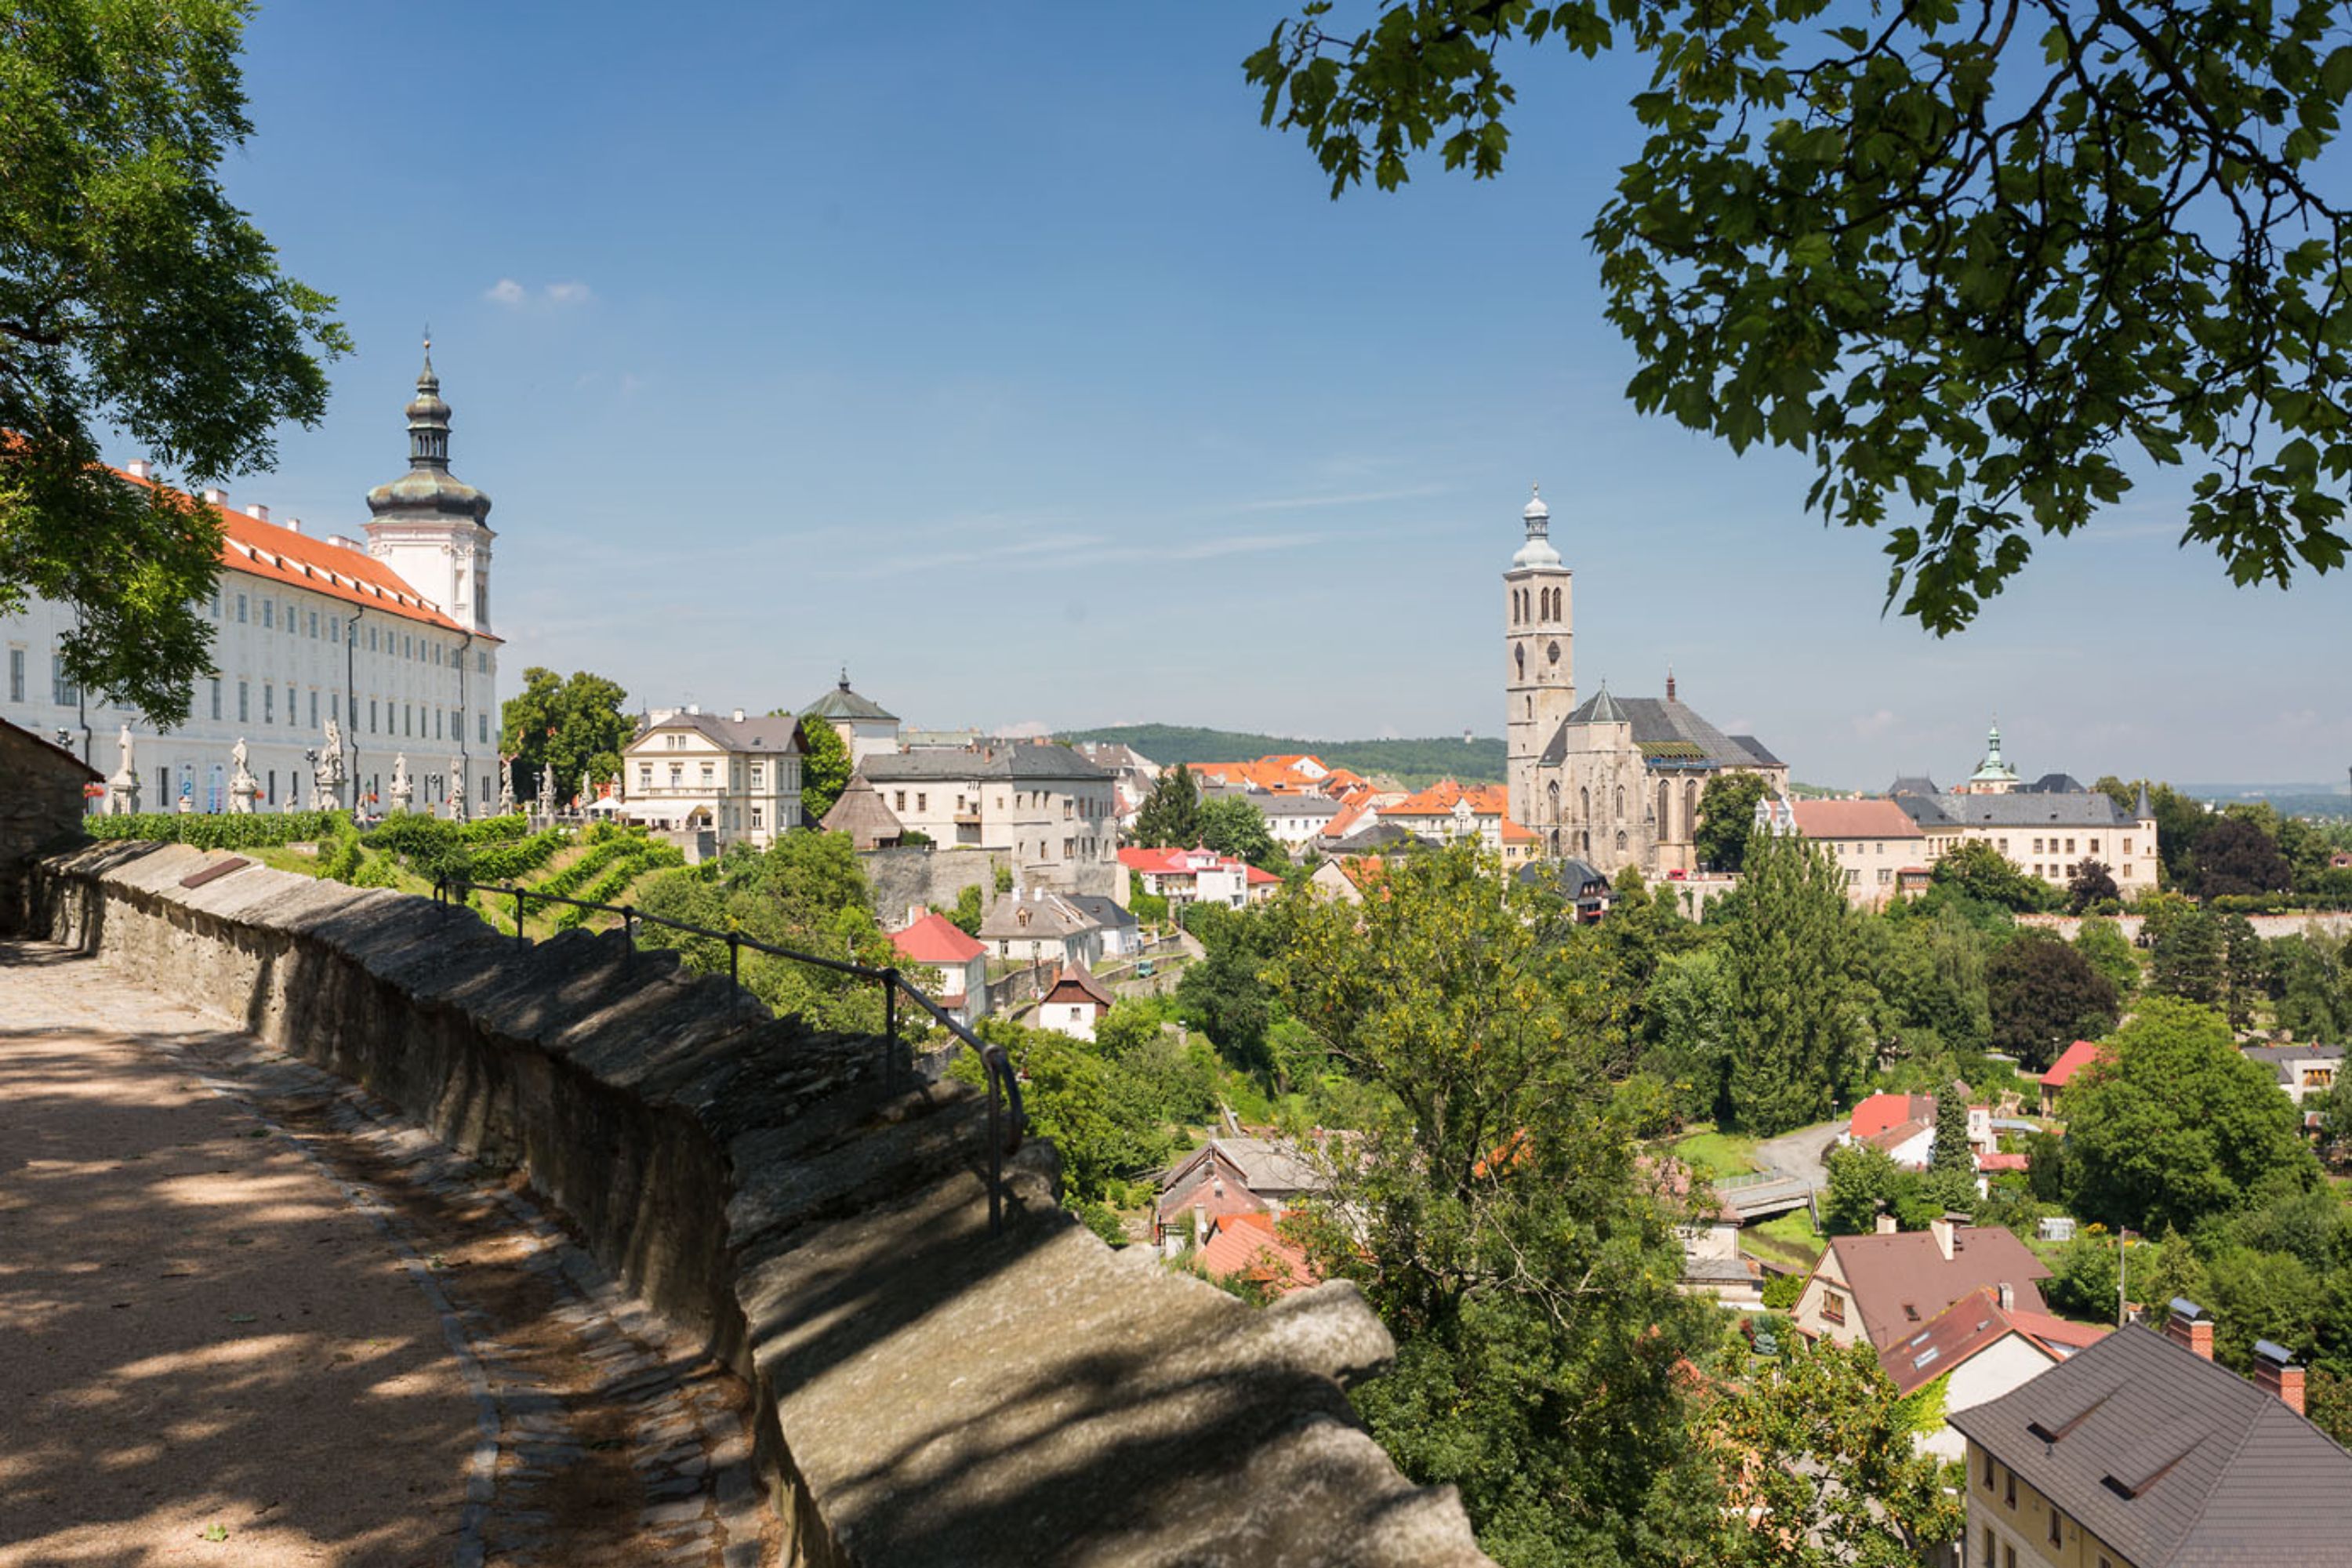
x: 1535, y: 511
x: 1537, y: 550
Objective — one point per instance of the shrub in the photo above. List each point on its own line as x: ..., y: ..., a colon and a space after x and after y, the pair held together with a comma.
x: 217, y: 831
x: 1781, y: 1291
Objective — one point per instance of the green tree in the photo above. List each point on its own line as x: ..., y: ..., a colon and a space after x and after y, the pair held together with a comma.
x: 1863, y: 1180
x: 135, y: 298
x: 2171, y: 1126
x: 2105, y: 948
x: 1822, y: 1465
x: 1233, y: 827
x: 1223, y: 992
x: 2180, y: 822
x: 1953, y: 1150
x: 1977, y: 870
x: 1686, y: 1011
x: 969, y: 906
x: 1169, y: 816
x: 2085, y: 1282
x: 1492, y: 1213
x: 2236, y: 855
x: 575, y: 726
x: 2091, y: 886
x: 2310, y: 984
x: 2045, y: 996
x: 2188, y: 959
x: 1798, y: 254
x: 1797, y: 1043
x: 1727, y: 816
x: 826, y: 770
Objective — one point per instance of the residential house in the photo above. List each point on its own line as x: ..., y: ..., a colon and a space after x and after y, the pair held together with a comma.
x: 1131, y: 771
x: 2046, y: 829
x: 1708, y: 1229
x: 736, y: 777
x: 1879, y: 1289
x: 1052, y: 810
x: 937, y: 943
x: 1982, y: 1349
x: 1874, y: 843
x: 1288, y: 770
x: 1903, y: 1125
x: 1446, y: 811
x: 1335, y: 881
x: 2139, y: 1452
x: 1579, y: 882
x: 1228, y: 1176
x: 1199, y: 875
x: 861, y: 813
x: 1295, y: 818
x: 1037, y: 925
x: 1118, y: 934
x: 1075, y: 1002
x: 865, y: 726
x: 1248, y: 1247
x: 2305, y: 1072
x: 2071, y: 1060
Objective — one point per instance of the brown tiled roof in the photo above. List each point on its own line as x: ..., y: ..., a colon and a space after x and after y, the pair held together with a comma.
x: 2172, y: 1460
x: 1076, y: 982
x: 1853, y: 819
x: 1975, y: 1322
x: 1898, y: 1282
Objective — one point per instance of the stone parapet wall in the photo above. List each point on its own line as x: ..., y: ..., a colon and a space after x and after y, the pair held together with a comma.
x: 924, y: 1392
x: 2267, y: 927
x: 40, y: 795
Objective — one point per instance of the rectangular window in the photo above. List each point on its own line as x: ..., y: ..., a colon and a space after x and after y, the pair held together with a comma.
x: 1832, y: 1307
x: 272, y: 797
x: 334, y: 629
x: 486, y: 789
x: 215, y: 696
x: 240, y: 609
x: 335, y: 701
x: 645, y: 776
x: 2053, y: 1528
x: 708, y: 770
x: 269, y: 614
x: 16, y: 678
x: 314, y: 709
x: 437, y: 723
x: 2009, y: 1556
x: 759, y: 775
x: 2070, y: 846
x: 370, y: 640
x: 216, y: 604
x: 2126, y: 848
x: 755, y: 817
x: 2037, y: 847
x: 63, y: 689
x: 408, y: 719
x: 2008, y: 1487
x: 899, y: 801
x: 371, y: 715
x: 482, y: 661
x: 289, y: 705
x: 314, y: 623
x: 244, y: 704
x: 407, y: 645
x: 922, y: 801
x: 482, y: 728
x: 1990, y: 1559
x: 269, y: 705
x: 436, y: 653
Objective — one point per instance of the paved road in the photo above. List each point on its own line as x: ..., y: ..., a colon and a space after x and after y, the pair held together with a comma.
x: 1799, y: 1154
x: 250, y: 1319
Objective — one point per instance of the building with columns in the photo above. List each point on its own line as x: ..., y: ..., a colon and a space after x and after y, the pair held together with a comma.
x: 1613, y: 781
x: 389, y: 639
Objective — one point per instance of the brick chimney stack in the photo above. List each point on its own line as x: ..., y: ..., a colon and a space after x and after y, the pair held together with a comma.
x: 2275, y: 1371
x: 2189, y: 1328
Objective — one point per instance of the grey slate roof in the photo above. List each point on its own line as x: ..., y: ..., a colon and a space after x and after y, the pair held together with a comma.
x: 1914, y: 784
x: 861, y: 813
x: 2281, y: 1059
x: 1376, y: 838
x: 1569, y: 875
x: 1014, y: 760
x: 772, y: 733
x: 2016, y: 809
x: 1669, y: 730
x: 1104, y: 912
x: 2052, y: 784
x: 2172, y: 1460
x: 1265, y: 1165
x: 843, y: 703
x: 1036, y: 917
x: 1269, y: 804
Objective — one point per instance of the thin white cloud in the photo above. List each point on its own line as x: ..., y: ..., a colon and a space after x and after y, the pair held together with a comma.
x: 1362, y: 498
x: 1876, y: 723
x: 517, y: 296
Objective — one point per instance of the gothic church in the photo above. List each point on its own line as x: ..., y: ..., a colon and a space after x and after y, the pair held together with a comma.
x: 1614, y: 782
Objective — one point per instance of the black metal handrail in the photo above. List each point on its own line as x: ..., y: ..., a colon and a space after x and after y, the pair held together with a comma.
x: 1007, y: 1120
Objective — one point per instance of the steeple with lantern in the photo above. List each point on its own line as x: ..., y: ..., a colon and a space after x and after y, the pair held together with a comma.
x: 430, y: 526
x: 1539, y: 665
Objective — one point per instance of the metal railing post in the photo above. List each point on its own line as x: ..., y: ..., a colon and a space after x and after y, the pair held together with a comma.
x: 891, y: 1031
x: 734, y: 960
x: 995, y: 1152
x: 521, y: 940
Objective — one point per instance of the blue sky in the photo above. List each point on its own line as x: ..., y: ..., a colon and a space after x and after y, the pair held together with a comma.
x: 998, y: 353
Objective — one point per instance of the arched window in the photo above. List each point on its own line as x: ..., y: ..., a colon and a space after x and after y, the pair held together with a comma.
x: 1555, y: 841
x: 1552, y: 790
x: 1584, y: 803
x: 1620, y: 838
x: 1520, y: 653
x: 1690, y: 809
x: 1665, y: 800
x: 1619, y: 814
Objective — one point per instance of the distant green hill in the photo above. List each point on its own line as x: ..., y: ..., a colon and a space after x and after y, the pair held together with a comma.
x: 1416, y: 764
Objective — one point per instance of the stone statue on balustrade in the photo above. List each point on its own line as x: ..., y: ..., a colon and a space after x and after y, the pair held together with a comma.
x: 403, y: 789
x: 242, y: 787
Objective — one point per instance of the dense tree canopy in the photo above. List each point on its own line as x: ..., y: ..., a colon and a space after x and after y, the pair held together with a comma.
x: 135, y: 297
x: 574, y: 725
x: 1727, y: 815
x: 2237, y: 855
x: 1797, y: 1035
x: 826, y: 770
x: 1976, y: 261
x: 2045, y: 996
x: 1172, y: 811
x: 1232, y: 825
x: 2174, y: 1127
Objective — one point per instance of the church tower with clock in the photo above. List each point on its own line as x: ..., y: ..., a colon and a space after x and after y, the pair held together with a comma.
x: 1538, y: 651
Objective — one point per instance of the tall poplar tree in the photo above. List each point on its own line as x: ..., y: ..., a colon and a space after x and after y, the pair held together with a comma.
x: 1798, y: 1041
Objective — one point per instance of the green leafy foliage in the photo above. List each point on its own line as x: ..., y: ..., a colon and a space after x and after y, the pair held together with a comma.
x: 1796, y: 1019
x: 575, y: 725
x: 826, y: 770
x: 219, y: 831
x: 2173, y: 1127
x: 1977, y: 870
x: 1233, y: 827
x: 135, y: 298
x: 1727, y: 816
x: 1970, y: 266
x: 2105, y: 948
x: 2044, y: 997
x: 1170, y: 814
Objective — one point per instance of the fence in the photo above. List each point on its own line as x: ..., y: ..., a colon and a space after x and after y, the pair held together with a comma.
x: 1006, y: 1119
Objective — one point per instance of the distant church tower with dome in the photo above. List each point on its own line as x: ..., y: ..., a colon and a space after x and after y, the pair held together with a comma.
x: 428, y: 525
x: 1613, y: 781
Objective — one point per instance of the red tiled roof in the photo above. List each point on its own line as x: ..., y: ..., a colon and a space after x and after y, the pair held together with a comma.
x: 935, y: 938
x: 279, y: 554
x: 1257, y: 879
x: 1975, y: 1322
x: 1437, y: 800
x: 1853, y: 819
x: 1881, y: 1112
x: 2076, y: 1057
x: 1997, y: 1161
x: 1343, y: 821
x: 1248, y: 1245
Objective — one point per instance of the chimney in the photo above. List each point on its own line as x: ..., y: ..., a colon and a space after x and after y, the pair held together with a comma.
x: 2275, y: 1373
x: 2190, y: 1329
x: 694, y: 709
x: 1941, y: 1229
x: 217, y: 497
x: 2006, y: 1294
x: 1886, y: 1225
x: 139, y: 468
x: 293, y: 524
x: 259, y: 514
x: 739, y: 715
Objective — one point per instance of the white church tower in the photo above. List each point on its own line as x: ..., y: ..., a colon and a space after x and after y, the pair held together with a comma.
x: 1538, y: 657
x: 427, y: 525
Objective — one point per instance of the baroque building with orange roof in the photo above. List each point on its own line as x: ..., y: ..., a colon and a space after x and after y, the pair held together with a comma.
x: 1612, y: 781
x: 388, y: 641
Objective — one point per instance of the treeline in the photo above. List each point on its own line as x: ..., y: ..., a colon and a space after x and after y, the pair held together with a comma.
x: 1416, y: 764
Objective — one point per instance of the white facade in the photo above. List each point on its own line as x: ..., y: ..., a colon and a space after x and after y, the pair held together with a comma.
x: 305, y: 630
x: 736, y: 777
x: 1055, y: 812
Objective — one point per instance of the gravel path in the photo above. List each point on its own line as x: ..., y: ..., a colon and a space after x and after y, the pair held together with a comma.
x: 249, y: 1317
x: 1799, y: 1154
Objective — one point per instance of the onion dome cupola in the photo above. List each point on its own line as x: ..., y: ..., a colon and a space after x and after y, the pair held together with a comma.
x: 1538, y: 550
x: 428, y: 490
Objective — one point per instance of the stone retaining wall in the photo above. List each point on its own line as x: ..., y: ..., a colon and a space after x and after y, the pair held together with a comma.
x: 2267, y: 927
x: 925, y: 1393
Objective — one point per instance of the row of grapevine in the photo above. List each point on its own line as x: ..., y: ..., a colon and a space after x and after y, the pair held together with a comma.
x: 601, y: 853
x: 230, y: 831
x: 494, y: 829
x: 497, y: 862
x: 644, y: 855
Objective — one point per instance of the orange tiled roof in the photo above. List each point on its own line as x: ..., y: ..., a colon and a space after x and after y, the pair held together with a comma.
x: 1883, y: 1113
x: 1438, y: 799
x: 2077, y: 1057
x: 277, y: 554
x: 1248, y: 1245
